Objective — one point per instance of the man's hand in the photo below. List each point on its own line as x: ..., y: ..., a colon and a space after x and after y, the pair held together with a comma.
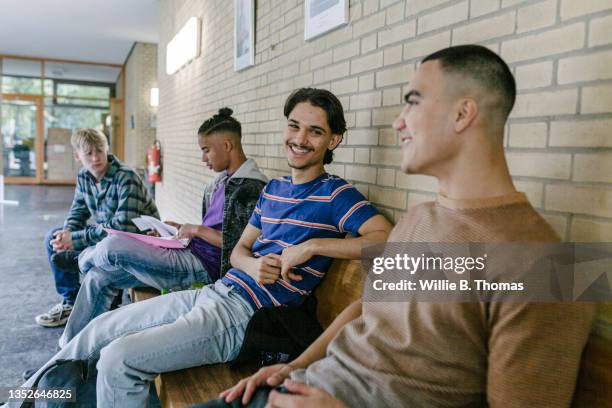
x: 302, y: 396
x: 62, y: 241
x: 268, y: 269
x: 188, y: 231
x: 293, y: 256
x: 272, y: 375
x: 174, y: 224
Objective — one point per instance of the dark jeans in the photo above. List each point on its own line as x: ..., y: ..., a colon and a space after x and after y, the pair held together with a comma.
x: 65, y: 268
x: 258, y: 400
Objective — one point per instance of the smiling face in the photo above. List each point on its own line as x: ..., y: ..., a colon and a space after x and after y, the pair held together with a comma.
x: 93, y: 160
x: 215, y: 152
x: 307, y: 137
x: 425, y: 125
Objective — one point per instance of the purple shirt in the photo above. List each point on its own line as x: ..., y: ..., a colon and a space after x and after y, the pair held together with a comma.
x: 207, y: 253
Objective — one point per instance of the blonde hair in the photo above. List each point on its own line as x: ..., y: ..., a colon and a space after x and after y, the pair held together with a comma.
x: 85, y: 139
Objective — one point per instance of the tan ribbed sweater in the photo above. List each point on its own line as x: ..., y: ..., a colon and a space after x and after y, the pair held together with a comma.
x: 460, y: 354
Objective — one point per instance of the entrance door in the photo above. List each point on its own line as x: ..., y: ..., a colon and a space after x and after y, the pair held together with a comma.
x: 21, y: 138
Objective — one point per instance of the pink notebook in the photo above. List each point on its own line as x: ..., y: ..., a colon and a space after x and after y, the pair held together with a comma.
x: 147, y: 239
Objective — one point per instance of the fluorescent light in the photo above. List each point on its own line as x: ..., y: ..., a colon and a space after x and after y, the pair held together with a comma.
x: 154, y: 97
x: 184, y: 46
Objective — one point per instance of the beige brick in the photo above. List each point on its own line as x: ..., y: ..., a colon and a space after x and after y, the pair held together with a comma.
x: 584, y: 133
x: 387, y: 137
x: 362, y: 155
x: 395, y: 13
x: 397, y: 33
x: 589, y: 67
x: 365, y: 174
x: 414, y: 7
x: 579, y: 199
x: 346, y: 51
x: 528, y: 135
x: 444, y: 17
x: 422, y: 47
x: 596, y: 99
x: 593, y: 167
x: 343, y: 154
x: 345, y: 86
x: 367, y: 63
x: 337, y: 71
x: 534, y: 75
x: 546, y: 103
x: 366, y: 82
x: 573, y: 8
x: 389, y: 197
x: 394, y: 76
x: 415, y: 199
x: 337, y: 169
x: 392, y: 55
x: 546, y: 165
x: 542, y: 44
x: 536, y: 16
x: 586, y: 230
x: 482, y: 7
x: 385, y: 177
x: 385, y: 116
x: 355, y: 12
x: 392, y: 97
x: 368, y: 24
x: 387, y: 3
x: 483, y: 30
x: 558, y: 223
x: 369, y: 7
x: 363, y: 118
x: 600, y: 31
x: 321, y: 60
x: 416, y: 182
x: 533, y: 190
x: 510, y: 3
x: 366, y: 100
x: 386, y: 156
x: 369, y: 43
x: 362, y: 137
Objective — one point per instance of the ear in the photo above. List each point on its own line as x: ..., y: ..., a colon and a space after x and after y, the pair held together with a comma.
x: 335, y: 141
x: 228, y: 144
x: 466, y: 113
x: 76, y: 156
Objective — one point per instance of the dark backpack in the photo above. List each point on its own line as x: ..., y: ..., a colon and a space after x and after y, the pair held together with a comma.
x: 279, y: 334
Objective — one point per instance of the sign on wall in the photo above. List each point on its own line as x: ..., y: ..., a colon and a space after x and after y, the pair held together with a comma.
x: 321, y: 16
x: 244, y: 34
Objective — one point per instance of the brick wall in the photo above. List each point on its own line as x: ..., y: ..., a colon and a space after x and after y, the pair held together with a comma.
x: 559, y: 142
x: 141, y: 76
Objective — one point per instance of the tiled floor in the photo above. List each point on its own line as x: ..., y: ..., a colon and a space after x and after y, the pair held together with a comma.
x: 26, y: 284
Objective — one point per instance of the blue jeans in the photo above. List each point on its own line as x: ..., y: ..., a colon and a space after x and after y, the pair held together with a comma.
x: 66, y: 278
x: 136, y: 342
x: 119, y: 262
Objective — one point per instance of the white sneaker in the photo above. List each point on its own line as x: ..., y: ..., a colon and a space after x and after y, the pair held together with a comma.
x: 57, y: 316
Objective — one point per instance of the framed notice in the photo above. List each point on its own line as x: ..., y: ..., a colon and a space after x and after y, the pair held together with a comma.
x: 321, y: 16
x: 244, y: 34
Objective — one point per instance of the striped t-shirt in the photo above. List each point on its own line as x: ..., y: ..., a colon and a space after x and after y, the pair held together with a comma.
x: 288, y: 214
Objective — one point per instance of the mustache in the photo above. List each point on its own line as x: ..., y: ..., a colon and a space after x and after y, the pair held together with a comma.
x: 300, y: 146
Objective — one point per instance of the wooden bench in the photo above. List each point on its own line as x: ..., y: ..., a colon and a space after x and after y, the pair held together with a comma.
x: 343, y: 285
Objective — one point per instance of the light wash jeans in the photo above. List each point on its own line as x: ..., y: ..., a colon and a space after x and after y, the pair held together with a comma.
x: 166, y: 333
x: 119, y: 262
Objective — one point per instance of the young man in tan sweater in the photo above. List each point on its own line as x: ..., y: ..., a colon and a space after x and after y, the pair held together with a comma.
x: 423, y: 354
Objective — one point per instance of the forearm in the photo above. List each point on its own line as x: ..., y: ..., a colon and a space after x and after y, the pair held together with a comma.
x: 210, y: 235
x: 317, y: 350
x: 348, y: 248
x: 242, y: 258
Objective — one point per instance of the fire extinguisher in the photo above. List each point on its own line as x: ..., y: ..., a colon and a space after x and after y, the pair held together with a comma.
x: 154, y: 162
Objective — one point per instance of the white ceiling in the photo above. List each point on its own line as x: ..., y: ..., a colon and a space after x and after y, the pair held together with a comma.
x: 85, y: 30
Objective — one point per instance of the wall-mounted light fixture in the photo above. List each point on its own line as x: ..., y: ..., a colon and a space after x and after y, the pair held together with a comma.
x: 154, y: 97
x: 184, y: 46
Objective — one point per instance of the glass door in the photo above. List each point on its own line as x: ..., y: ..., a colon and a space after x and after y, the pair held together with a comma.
x: 21, y: 133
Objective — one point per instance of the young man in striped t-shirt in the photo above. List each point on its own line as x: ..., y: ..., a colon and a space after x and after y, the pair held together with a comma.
x: 284, y: 252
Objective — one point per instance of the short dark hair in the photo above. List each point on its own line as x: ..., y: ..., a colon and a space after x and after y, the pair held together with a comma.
x: 221, y: 122
x: 325, y: 100
x: 482, y: 65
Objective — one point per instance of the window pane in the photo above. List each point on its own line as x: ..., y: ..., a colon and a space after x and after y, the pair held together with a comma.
x: 20, y: 76
x: 83, y: 102
x: 83, y: 91
x: 15, y: 85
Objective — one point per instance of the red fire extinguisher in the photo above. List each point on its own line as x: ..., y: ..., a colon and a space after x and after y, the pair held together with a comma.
x: 154, y: 162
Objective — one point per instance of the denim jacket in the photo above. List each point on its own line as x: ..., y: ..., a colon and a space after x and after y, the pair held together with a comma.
x: 242, y: 191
